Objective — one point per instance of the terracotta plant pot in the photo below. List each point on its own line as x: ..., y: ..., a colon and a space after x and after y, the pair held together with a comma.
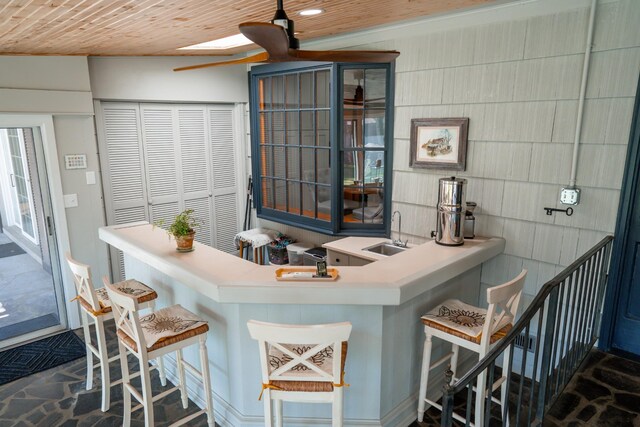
x: 185, y: 243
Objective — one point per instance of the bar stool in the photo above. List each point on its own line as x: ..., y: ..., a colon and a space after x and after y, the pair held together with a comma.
x: 301, y: 363
x: 475, y: 329
x: 166, y: 330
x: 95, y: 304
x: 257, y: 238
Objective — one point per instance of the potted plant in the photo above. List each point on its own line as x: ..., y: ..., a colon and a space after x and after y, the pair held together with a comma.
x: 183, y: 229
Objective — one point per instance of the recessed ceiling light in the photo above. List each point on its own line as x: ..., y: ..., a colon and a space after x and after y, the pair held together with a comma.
x: 310, y: 12
x: 223, y: 43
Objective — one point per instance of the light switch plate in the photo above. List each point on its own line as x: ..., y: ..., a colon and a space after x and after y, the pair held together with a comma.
x: 70, y: 200
x: 91, y: 177
x: 570, y: 196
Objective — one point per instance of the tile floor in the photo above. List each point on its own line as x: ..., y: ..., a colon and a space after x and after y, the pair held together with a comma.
x: 605, y: 392
x: 57, y: 398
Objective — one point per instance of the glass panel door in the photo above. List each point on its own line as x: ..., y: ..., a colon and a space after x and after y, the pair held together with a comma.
x: 31, y: 303
x: 21, y: 184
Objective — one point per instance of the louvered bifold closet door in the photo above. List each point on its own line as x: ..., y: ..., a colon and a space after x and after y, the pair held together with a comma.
x: 121, y: 158
x: 195, y: 171
x: 159, y: 135
x: 224, y: 167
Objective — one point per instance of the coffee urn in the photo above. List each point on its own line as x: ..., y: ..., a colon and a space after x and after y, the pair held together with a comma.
x: 451, y: 212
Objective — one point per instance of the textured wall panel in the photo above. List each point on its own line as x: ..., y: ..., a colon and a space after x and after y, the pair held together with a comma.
x: 551, y: 163
x: 480, y: 83
x: 549, y: 78
x: 555, y: 35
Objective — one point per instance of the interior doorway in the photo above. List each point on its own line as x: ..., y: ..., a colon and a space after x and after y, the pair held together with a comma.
x: 31, y: 296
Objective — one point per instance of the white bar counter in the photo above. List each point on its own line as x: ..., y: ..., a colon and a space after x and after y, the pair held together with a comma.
x: 383, y: 300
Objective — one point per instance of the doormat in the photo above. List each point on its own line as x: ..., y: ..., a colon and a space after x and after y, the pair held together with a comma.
x: 10, y: 249
x: 27, y: 326
x: 40, y: 355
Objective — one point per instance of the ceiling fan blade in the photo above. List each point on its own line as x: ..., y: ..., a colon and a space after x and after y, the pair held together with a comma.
x: 273, y: 38
x: 380, y: 56
x: 259, y: 57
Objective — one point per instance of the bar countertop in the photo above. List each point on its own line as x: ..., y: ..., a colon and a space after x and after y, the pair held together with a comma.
x: 227, y: 278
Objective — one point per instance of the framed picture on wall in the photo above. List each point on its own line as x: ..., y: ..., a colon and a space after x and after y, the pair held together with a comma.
x: 439, y: 143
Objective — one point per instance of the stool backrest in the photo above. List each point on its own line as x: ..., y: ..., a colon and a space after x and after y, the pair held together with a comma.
x: 84, y: 285
x: 300, y: 348
x: 125, y: 312
x: 503, y: 305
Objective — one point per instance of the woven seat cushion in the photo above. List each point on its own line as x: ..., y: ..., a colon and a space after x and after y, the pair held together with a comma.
x: 142, y: 292
x: 165, y: 327
x: 324, y: 360
x: 463, y: 320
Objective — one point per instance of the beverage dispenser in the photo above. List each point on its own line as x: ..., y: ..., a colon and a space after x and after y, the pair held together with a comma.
x: 451, y: 212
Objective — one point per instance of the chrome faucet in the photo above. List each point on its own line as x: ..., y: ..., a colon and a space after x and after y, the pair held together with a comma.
x: 398, y: 242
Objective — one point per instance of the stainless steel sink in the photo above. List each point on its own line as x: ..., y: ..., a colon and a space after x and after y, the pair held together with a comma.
x: 386, y: 249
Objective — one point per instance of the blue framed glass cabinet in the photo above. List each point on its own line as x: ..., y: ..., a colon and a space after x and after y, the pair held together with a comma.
x: 321, y: 136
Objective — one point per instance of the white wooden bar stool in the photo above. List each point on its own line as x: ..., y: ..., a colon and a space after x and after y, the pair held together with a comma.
x: 475, y: 329
x: 166, y: 330
x: 301, y: 363
x: 95, y: 305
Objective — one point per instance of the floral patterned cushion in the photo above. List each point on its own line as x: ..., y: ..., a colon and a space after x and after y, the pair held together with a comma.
x: 168, y: 322
x: 464, y: 318
x: 131, y: 287
x: 323, y: 360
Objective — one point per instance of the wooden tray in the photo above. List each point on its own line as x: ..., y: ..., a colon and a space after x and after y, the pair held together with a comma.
x: 332, y: 274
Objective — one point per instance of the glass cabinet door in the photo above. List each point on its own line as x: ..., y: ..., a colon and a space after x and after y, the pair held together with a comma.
x: 364, y: 147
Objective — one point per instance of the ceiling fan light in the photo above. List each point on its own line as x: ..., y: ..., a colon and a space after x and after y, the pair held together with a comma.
x: 220, y: 44
x: 310, y: 12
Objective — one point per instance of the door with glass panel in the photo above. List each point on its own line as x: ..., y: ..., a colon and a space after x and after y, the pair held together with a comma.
x: 31, y: 303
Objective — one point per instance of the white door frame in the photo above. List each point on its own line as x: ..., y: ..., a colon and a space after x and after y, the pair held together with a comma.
x: 45, y: 123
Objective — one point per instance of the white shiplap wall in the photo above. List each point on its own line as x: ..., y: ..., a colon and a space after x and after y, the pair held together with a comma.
x: 518, y: 82
x: 517, y: 78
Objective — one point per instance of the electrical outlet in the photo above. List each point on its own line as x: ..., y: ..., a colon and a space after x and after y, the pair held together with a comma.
x: 570, y: 196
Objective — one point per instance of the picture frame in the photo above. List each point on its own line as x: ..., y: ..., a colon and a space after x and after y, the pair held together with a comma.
x: 439, y: 143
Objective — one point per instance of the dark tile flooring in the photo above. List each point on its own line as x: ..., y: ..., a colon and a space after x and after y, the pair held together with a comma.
x: 57, y: 398
x: 604, y: 392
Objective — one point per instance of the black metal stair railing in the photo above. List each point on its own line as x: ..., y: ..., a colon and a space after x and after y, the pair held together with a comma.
x: 565, y: 314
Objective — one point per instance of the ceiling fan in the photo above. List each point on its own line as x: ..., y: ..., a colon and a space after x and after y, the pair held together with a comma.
x: 280, y: 45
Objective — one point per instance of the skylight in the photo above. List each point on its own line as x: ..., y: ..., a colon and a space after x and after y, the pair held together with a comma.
x: 219, y: 44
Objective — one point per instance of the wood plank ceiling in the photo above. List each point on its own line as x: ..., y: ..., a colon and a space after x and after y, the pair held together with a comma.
x: 159, y: 27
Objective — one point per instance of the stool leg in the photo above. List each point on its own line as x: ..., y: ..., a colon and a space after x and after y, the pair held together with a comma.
x: 126, y: 394
x: 147, y: 396
x: 206, y: 381
x: 278, y: 412
x: 104, y: 365
x: 455, y: 350
x: 481, y: 386
x: 268, y: 421
x: 182, y: 379
x: 424, y: 376
x: 256, y: 258
x: 241, y: 248
x: 161, y: 371
x: 87, y: 340
x: 336, y: 407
